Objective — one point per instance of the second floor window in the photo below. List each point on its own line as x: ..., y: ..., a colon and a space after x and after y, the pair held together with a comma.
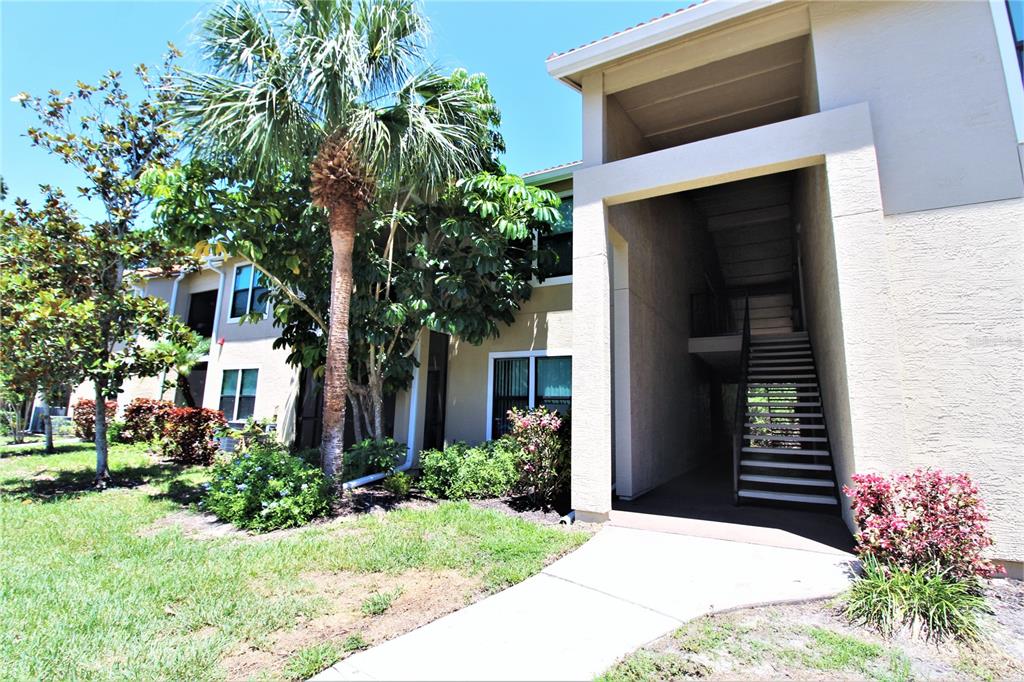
x: 557, y: 262
x: 248, y: 294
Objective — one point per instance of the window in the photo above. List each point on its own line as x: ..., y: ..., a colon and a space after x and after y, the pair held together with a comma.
x: 558, y: 261
x: 528, y: 380
x: 1015, y: 8
x: 238, y: 393
x: 248, y: 295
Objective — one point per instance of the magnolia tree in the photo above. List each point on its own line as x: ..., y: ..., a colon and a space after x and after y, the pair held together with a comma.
x: 105, y: 330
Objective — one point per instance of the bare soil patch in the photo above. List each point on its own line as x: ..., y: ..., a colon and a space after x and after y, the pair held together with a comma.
x: 423, y: 596
x: 811, y: 641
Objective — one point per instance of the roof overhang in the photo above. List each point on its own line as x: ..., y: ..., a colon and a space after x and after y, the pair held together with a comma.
x: 568, y: 66
x: 549, y: 175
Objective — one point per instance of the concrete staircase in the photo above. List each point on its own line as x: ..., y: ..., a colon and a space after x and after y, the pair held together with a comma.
x: 785, y: 457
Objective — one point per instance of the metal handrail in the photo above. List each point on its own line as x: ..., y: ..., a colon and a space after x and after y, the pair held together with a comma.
x: 741, y: 402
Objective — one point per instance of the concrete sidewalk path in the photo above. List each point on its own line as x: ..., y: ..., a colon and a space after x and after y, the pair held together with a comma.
x: 621, y: 590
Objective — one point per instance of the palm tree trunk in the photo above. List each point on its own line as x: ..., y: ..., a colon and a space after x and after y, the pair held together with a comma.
x: 342, y: 220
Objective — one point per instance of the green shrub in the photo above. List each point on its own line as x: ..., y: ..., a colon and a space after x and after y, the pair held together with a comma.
x: 926, y: 599
x: 116, y: 432
x: 398, y: 484
x: 265, y: 489
x: 460, y: 472
x: 372, y: 457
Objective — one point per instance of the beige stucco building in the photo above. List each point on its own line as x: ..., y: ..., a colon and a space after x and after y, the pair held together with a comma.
x: 795, y: 252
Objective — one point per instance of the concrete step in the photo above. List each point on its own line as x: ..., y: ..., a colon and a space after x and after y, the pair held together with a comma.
x: 762, y: 377
x: 788, y: 480
x: 786, y: 451
x: 787, y: 497
x: 780, y: 425
x: 779, y: 384
x: 794, y: 415
x: 787, y: 439
x: 772, y: 464
x: 784, y: 403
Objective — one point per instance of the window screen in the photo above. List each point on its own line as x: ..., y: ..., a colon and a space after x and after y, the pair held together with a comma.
x: 511, y: 389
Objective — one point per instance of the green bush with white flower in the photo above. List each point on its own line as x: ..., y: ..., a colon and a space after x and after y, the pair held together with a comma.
x: 265, y: 489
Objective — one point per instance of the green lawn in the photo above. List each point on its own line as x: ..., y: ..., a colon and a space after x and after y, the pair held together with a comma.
x: 90, y: 588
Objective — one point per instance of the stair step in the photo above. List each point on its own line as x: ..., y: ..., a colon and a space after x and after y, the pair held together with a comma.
x: 754, y: 348
x: 754, y: 338
x: 776, y: 403
x: 786, y: 451
x: 788, y: 480
x: 787, y: 497
x: 780, y: 395
x: 803, y: 384
x: 772, y: 464
x: 778, y: 425
x: 787, y: 439
x: 794, y: 415
x: 773, y: 362
x: 764, y: 353
x: 762, y: 377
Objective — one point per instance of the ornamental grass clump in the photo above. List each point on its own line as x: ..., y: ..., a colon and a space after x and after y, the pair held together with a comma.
x: 266, y: 489
x: 921, y: 544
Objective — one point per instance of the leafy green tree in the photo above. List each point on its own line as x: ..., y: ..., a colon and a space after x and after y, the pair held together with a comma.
x: 340, y: 89
x: 460, y: 265
x: 109, y: 329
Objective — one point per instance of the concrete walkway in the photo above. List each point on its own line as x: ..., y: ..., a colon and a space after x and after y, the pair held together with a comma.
x: 621, y: 590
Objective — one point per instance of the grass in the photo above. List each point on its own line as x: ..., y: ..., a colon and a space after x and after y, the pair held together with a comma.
x: 91, y: 588
x: 379, y: 602
x: 310, y: 660
x: 733, y: 649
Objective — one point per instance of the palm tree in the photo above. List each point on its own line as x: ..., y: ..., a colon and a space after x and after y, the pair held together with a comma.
x: 338, y: 89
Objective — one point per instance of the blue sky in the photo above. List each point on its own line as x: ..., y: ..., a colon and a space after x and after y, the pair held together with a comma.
x: 52, y: 44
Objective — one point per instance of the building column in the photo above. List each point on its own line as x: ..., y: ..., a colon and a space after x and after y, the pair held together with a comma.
x: 592, y: 360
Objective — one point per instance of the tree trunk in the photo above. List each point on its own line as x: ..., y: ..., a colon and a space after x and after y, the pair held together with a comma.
x: 377, y: 396
x: 48, y: 430
x: 100, y: 438
x: 342, y: 220
x: 357, y: 417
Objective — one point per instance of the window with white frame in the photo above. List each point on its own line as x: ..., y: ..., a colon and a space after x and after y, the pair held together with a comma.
x: 556, y: 247
x: 525, y: 381
x: 238, y: 393
x: 248, y: 293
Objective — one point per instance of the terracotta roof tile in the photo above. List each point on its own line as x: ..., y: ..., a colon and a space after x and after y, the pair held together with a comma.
x: 626, y: 30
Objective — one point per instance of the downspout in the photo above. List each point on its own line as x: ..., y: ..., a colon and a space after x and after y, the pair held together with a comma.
x: 410, y: 449
x: 215, y: 265
x: 173, y: 306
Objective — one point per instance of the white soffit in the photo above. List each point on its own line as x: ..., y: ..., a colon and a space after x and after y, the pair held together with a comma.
x: 649, y: 34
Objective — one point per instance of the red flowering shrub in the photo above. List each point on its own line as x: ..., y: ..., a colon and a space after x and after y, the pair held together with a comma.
x: 144, y: 419
x: 543, y: 437
x: 189, y: 435
x: 922, y: 519
x: 84, y: 416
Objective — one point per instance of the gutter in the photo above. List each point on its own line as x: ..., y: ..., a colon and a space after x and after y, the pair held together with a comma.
x: 215, y: 263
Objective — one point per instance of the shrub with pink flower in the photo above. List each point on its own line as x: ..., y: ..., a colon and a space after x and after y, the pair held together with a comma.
x: 921, y: 519
x: 543, y: 437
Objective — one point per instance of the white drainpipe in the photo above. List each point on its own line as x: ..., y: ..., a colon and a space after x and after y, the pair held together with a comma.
x: 174, y: 304
x: 410, y: 449
x: 215, y: 264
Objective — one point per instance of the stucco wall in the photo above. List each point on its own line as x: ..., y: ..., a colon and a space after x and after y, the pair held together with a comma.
x: 545, y: 322
x: 669, y: 399
x: 957, y: 286
x: 932, y: 75
x: 824, y: 318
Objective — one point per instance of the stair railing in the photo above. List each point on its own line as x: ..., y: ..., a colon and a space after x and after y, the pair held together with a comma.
x: 741, y: 403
